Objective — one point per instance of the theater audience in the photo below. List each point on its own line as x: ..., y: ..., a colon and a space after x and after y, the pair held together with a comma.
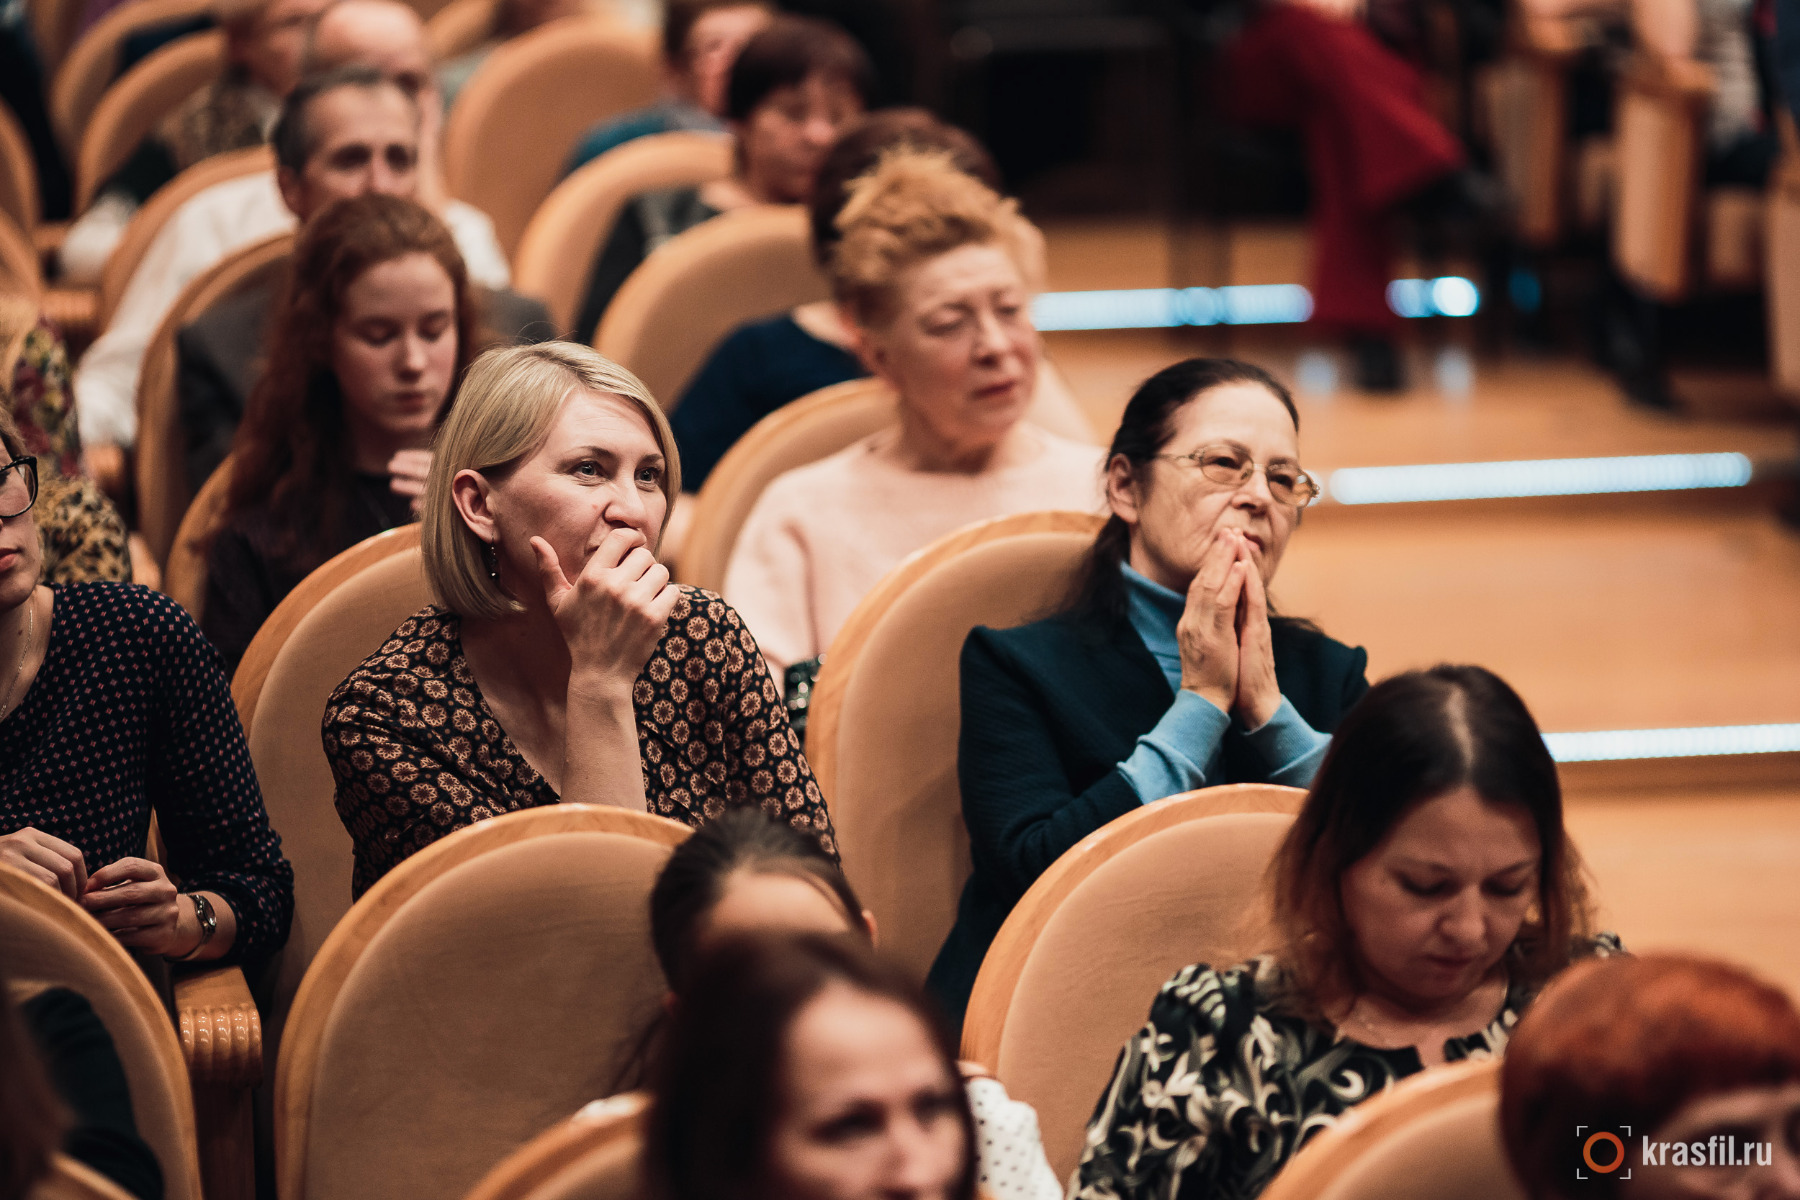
x: 935, y: 271
x: 559, y: 662
x: 1425, y: 893
x: 764, y: 364
x: 745, y: 874
x: 264, y: 42
x: 348, y: 131
x: 700, y: 41
x: 117, y: 709
x: 1693, y: 1065
x: 1167, y: 670
x: 793, y: 88
x: 806, y: 1067
x: 64, y: 1088
x: 375, y: 329
x: 83, y: 538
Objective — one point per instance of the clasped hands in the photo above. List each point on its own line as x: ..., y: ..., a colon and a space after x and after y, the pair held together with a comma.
x: 133, y: 897
x: 1227, y: 656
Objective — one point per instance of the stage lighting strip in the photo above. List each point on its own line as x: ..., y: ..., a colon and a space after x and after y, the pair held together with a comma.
x: 1614, y: 745
x: 1540, y: 477
x: 1243, y: 304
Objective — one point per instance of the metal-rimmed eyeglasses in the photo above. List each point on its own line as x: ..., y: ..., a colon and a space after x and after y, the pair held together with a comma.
x: 18, y: 486
x: 1231, y: 466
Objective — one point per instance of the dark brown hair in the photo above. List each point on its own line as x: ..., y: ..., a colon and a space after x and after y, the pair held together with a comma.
x: 860, y: 147
x: 1623, y: 1041
x: 1148, y: 424
x: 718, y: 1081
x: 695, y: 878
x: 32, y: 1117
x: 680, y: 17
x: 292, y: 452
x: 1412, y: 738
x: 790, y: 51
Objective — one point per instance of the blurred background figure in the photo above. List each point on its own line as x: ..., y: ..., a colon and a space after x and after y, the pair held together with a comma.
x: 700, y: 41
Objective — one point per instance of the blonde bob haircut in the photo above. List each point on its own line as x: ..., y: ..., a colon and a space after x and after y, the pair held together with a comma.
x: 912, y: 206
x: 503, y: 412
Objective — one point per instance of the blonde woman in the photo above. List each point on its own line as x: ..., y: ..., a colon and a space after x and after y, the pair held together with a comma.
x: 934, y: 274
x: 560, y: 663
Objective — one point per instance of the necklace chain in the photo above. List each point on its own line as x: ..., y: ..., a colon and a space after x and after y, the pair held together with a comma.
x: 24, y: 653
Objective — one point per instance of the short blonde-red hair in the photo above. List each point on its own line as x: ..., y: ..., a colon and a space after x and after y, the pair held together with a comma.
x: 912, y: 206
x: 1616, y: 1042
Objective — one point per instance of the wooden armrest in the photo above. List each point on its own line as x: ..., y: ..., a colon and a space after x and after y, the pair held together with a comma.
x: 1679, y: 79
x: 48, y: 236
x: 221, y: 1031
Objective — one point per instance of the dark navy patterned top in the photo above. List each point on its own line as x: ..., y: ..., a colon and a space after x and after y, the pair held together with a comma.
x: 130, y: 713
x: 1224, y: 1084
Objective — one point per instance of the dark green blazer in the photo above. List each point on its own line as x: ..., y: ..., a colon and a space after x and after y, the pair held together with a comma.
x: 1049, y: 711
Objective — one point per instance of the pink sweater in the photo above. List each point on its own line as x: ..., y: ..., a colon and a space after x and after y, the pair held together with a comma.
x: 821, y: 536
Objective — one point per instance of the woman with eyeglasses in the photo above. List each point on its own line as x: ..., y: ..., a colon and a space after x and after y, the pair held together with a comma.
x: 1167, y: 670
x: 113, y: 706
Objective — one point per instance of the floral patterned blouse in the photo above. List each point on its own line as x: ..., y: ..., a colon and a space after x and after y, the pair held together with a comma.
x: 417, y: 753
x: 1221, y: 1086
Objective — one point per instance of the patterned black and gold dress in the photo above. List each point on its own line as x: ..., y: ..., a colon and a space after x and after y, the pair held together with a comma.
x: 418, y: 754
x: 1222, y: 1085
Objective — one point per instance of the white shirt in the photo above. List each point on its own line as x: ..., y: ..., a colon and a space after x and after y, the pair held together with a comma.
x: 216, y: 222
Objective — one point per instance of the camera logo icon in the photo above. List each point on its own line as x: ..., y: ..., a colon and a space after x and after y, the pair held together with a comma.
x: 1602, y: 1151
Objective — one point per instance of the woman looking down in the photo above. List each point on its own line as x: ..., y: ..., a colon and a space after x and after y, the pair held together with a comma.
x: 1425, y: 893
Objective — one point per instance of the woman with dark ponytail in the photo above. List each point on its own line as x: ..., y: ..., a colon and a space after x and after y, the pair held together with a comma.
x: 1167, y: 670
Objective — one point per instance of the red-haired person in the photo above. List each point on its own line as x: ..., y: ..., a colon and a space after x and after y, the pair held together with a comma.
x: 1692, y: 1065
x: 367, y: 347
x: 1424, y: 894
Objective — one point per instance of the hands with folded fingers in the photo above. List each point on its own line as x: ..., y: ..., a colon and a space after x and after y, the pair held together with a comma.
x: 132, y: 897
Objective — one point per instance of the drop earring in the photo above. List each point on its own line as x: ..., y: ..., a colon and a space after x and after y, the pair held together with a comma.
x: 493, y: 561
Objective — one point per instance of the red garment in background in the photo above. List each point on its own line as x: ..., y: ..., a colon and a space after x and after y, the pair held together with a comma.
x: 1370, y: 143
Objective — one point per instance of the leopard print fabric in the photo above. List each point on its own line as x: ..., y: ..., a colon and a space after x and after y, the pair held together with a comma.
x: 81, y: 532
x: 417, y: 754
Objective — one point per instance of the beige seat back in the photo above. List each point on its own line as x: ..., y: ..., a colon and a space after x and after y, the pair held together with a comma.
x: 595, y: 1155
x: 576, y: 219
x: 93, y: 62
x: 148, y: 221
x: 161, y: 459
x: 318, y: 642
x: 459, y: 27
x: 72, y: 1180
x: 47, y: 939
x: 53, y: 26
x: 886, y: 712
x: 521, y: 113
x: 18, y: 174
x: 481, y: 991
x: 1434, y: 1136
x: 133, y: 107
x: 184, y: 577
x: 20, y: 273
x: 812, y: 427
x: 697, y: 287
x: 1072, y: 973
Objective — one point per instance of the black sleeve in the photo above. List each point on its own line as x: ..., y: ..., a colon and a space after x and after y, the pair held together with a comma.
x: 239, y: 597
x: 1021, y: 810
x: 714, y: 412
x: 84, y: 1068
x: 150, y: 166
x: 204, y: 788
x: 210, y: 408
x: 623, y: 251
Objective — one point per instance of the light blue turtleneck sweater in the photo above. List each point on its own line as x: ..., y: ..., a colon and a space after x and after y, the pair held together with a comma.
x: 1182, y: 752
